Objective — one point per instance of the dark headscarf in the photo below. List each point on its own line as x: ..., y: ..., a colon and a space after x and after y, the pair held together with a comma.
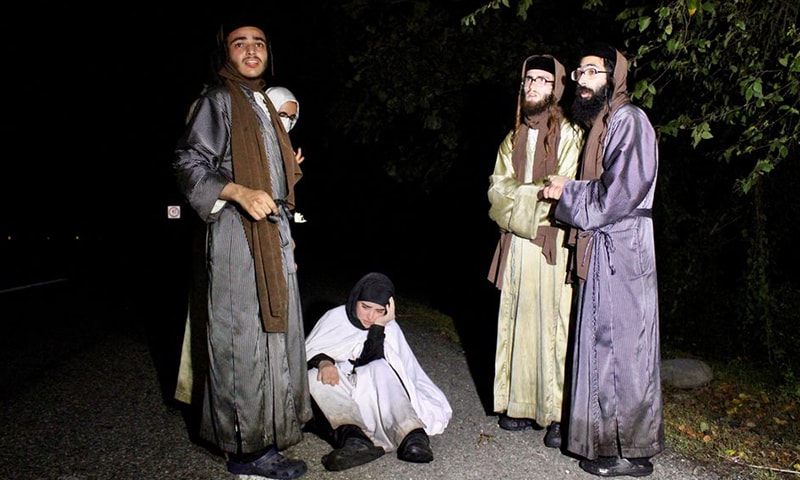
x: 373, y: 287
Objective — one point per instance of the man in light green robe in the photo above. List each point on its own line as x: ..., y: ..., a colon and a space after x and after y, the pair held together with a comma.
x: 530, y: 264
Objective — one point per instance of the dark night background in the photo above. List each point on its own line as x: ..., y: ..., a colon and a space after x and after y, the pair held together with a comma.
x: 96, y: 102
x: 401, y: 114
x: 96, y: 98
x: 99, y: 100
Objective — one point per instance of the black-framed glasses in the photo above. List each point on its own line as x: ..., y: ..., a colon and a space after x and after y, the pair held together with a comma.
x: 536, y: 81
x: 291, y: 118
x: 590, y: 72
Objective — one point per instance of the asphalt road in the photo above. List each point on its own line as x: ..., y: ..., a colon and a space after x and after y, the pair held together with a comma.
x: 87, y: 378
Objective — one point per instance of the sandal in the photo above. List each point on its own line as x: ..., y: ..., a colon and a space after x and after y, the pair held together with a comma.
x: 618, y: 466
x: 271, y: 465
x: 516, y: 424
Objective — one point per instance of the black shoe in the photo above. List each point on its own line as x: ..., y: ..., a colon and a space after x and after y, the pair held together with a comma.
x: 552, y: 438
x: 618, y: 466
x: 356, y: 451
x: 416, y: 447
x: 516, y: 424
x: 271, y: 465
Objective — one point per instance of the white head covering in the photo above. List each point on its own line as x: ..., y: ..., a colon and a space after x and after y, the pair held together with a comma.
x: 280, y: 95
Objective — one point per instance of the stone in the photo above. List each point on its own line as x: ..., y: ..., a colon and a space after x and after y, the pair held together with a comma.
x: 685, y: 373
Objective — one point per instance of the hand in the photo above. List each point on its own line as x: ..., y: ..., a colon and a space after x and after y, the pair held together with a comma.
x: 298, y: 156
x: 257, y: 203
x: 327, y: 373
x: 554, y: 186
x: 389, y: 316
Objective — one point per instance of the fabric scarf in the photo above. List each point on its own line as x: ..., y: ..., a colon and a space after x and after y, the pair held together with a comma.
x: 592, y: 160
x: 545, y: 162
x: 373, y: 287
x: 251, y: 169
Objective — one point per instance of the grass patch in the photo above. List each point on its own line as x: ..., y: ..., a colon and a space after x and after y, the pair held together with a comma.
x: 416, y: 312
x: 743, y: 422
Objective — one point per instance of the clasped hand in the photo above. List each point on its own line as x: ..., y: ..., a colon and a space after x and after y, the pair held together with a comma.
x: 554, y: 186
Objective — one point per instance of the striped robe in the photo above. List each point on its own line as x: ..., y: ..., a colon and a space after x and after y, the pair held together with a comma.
x: 616, y: 379
x: 256, y: 386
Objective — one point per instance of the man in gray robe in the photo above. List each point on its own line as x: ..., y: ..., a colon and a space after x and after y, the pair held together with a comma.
x: 236, y: 167
x: 615, y: 418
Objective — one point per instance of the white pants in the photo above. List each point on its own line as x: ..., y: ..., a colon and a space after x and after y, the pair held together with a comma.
x: 374, y: 399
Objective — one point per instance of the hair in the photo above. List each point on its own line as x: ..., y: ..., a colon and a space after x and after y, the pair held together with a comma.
x: 554, y: 115
x: 609, y: 56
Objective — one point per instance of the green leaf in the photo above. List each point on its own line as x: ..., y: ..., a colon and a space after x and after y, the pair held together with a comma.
x: 691, y: 6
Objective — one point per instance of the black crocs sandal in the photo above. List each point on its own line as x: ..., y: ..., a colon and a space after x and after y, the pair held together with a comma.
x: 271, y: 465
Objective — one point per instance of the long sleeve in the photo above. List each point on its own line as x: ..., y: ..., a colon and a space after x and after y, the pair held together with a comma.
x: 317, y: 359
x: 202, y: 162
x: 515, y: 205
x: 630, y: 165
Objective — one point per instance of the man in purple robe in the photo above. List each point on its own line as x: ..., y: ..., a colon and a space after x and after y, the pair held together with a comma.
x: 615, y: 419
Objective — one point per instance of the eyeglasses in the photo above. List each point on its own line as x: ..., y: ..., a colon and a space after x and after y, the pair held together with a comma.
x: 590, y: 72
x: 291, y: 118
x: 536, y: 80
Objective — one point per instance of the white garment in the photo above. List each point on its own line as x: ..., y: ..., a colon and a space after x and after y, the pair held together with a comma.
x: 376, y: 399
x: 280, y: 95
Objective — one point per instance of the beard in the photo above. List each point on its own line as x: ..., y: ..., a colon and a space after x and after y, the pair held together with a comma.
x: 585, y: 110
x: 530, y: 109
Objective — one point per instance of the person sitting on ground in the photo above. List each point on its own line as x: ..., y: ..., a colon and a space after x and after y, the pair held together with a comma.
x: 369, y: 393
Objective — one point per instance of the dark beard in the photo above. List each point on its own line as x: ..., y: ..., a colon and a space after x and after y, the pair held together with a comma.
x: 585, y: 110
x: 530, y: 109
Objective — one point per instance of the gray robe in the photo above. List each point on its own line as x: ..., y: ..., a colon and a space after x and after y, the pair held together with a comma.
x: 616, y: 382
x: 257, y: 385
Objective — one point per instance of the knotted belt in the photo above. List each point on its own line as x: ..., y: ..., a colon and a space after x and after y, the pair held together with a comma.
x: 586, y: 239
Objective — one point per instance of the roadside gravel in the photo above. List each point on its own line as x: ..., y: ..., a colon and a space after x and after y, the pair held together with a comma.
x: 87, y: 396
